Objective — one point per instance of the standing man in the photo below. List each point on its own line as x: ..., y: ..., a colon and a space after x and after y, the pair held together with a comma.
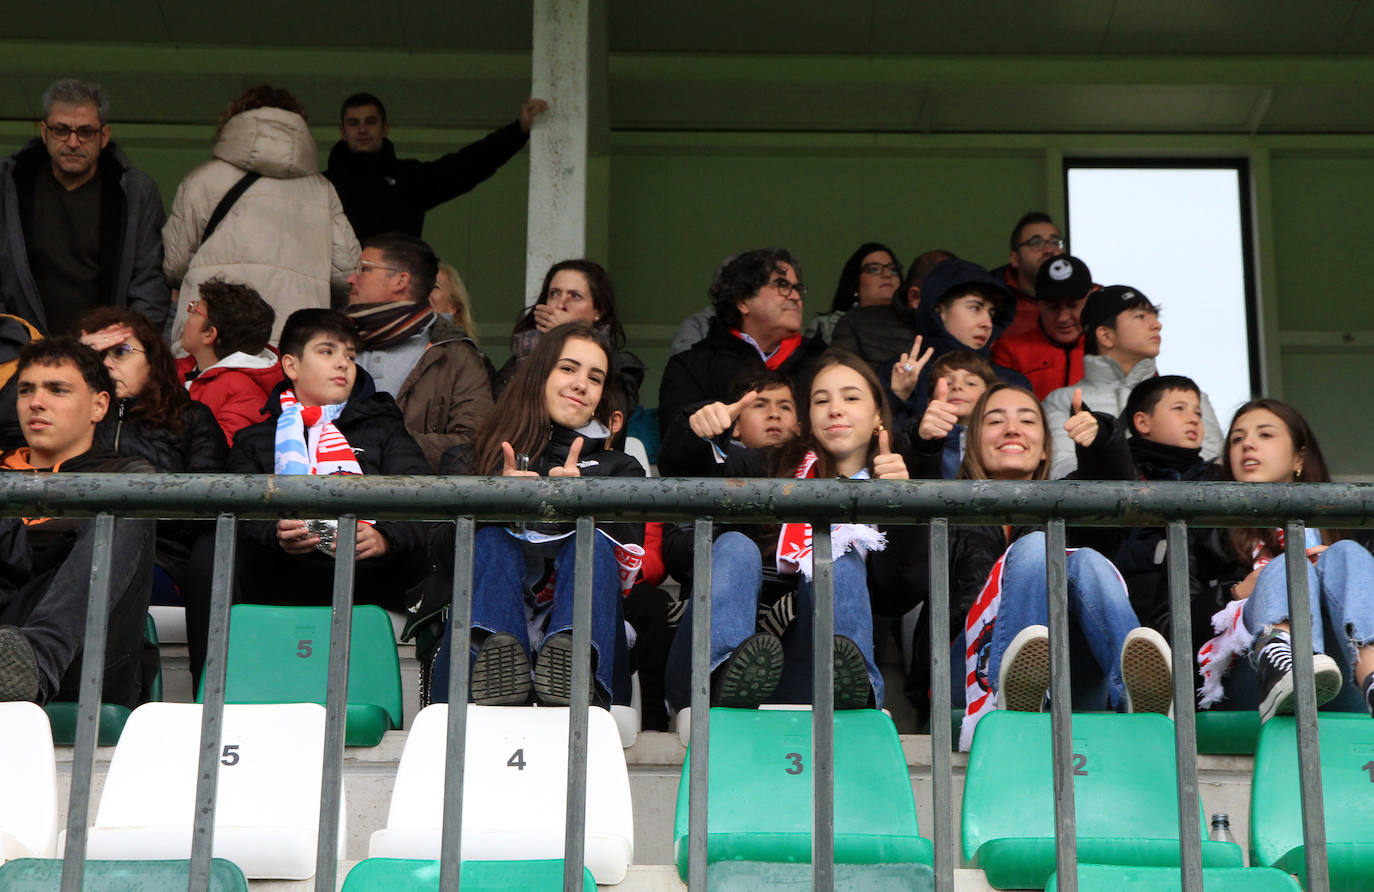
x: 79, y: 226
x: 1034, y: 239
x: 1051, y: 354
x: 381, y: 193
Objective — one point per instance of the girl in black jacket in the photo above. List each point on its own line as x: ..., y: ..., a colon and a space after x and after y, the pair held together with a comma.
x: 997, y: 574
x: 845, y: 433
x: 550, y: 422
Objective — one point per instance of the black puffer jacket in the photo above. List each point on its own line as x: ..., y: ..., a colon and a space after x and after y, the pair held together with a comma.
x: 704, y: 374
x: 973, y: 550
x: 878, y: 334
x: 375, y: 430
x: 383, y: 193
x: 198, y: 448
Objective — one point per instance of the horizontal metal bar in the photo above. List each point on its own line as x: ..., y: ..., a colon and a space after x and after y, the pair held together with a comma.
x: 1082, y: 503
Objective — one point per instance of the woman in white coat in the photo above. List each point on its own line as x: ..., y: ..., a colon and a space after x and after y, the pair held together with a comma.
x: 285, y: 236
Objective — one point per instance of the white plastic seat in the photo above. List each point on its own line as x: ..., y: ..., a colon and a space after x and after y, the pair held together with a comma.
x: 170, y: 621
x: 268, y: 803
x: 627, y: 717
x: 514, y: 790
x: 28, y: 783
x: 634, y: 447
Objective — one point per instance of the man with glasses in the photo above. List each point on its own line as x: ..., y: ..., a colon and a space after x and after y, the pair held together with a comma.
x: 81, y: 227
x: 388, y: 300
x: 758, y: 298
x: 1034, y: 240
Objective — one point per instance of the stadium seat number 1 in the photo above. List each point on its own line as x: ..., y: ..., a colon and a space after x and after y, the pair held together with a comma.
x: 1369, y: 766
x: 516, y: 760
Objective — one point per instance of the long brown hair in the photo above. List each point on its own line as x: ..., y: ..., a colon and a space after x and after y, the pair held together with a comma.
x: 1314, y: 470
x: 788, y: 457
x: 163, y: 398
x: 520, y: 416
x: 972, y: 466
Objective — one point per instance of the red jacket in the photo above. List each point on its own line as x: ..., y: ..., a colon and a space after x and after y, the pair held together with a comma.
x: 235, y: 388
x: 1047, y: 365
x: 1027, y: 313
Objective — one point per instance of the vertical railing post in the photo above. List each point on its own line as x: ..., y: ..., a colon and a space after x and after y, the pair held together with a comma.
x: 574, y: 837
x: 1061, y: 708
x: 942, y: 776
x: 455, y: 747
x: 336, y: 704
x: 212, y: 703
x: 1185, y: 719
x: 1305, y: 707
x: 88, y: 703
x: 823, y: 711
x: 700, y: 767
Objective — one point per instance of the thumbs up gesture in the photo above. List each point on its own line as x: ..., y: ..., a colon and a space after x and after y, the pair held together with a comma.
x: 1081, y: 426
x: 888, y: 465
x: 714, y: 419
x: 939, y: 419
x: 569, y: 467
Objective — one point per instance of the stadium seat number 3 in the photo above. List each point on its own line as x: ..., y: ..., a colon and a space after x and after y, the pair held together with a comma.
x: 796, y: 767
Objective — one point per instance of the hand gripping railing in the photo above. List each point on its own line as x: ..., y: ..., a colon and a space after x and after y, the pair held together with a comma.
x: 819, y: 502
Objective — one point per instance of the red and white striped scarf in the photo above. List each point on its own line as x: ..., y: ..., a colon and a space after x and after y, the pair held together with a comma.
x: 794, y: 539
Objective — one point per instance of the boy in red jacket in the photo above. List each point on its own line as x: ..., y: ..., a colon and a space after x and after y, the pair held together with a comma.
x: 230, y: 367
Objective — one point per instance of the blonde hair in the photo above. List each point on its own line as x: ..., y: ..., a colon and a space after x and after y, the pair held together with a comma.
x: 451, y: 285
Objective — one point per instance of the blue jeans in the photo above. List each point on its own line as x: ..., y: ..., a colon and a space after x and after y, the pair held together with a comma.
x: 736, y: 578
x: 1099, y: 607
x: 498, y: 601
x: 1341, y: 585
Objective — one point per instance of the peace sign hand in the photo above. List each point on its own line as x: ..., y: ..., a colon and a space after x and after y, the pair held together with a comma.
x: 907, y: 370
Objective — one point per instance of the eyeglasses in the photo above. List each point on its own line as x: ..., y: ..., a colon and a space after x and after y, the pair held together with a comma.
x: 1040, y: 241
x: 63, y: 132
x: 364, y: 265
x: 882, y: 269
x: 120, y: 352
x: 785, y: 288
x: 195, y: 306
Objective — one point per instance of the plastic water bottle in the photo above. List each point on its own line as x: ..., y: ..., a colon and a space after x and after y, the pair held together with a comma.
x: 1221, y: 828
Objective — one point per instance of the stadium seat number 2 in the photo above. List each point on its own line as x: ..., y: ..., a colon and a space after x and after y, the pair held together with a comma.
x: 1080, y: 765
x: 796, y: 767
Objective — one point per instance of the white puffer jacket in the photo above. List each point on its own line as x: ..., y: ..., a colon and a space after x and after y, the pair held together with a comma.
x: 286, y: 236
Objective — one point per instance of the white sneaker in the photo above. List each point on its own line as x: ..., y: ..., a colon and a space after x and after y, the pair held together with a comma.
x: 1024, y: 677
x: 1147, y: 672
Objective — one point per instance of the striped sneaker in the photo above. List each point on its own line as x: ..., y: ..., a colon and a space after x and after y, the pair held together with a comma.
x: 1273, y: 659
x: 1147, y: 672
x: 1024, y: 678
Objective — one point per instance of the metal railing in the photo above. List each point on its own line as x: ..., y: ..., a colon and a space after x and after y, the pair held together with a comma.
x: 819, y: 502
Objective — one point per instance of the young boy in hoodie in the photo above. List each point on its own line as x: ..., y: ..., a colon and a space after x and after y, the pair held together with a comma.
x: 324, y: 417
x: 228, y: 365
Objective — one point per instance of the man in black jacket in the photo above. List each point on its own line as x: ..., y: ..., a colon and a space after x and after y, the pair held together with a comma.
x: 45, y: 562
x: 381, y: 193
x: 758, y: 299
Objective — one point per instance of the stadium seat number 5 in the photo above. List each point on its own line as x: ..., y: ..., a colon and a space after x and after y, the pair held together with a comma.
x: 303, y: 648
x: 230, y: 755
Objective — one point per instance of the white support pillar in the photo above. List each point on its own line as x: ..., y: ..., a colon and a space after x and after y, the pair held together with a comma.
x: 557, y: 224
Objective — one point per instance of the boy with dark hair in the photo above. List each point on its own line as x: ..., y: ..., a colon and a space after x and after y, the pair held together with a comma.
x: 63, y: 393
x: 1165, y: 420
x: 325, y: 418
x: 229, y: 365
x: 957, y: 379
x: 1121, y: 339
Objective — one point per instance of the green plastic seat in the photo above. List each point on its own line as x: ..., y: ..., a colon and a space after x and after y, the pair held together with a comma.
x: 1227, y: 732
x: 1347, y: 766
x: 750, y: 876
x: 110, y: 724
x: 1125, y: 788
x: 400, y: 875
x: 45, y: 875
x: 281, y: 655
x: 1112, y: 878
x: 760, y: 791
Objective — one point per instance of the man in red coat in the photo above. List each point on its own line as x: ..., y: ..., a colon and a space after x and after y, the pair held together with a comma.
x: 1051, y: 353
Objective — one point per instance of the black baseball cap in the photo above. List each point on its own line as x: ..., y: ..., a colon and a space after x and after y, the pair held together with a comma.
x: 1104, y: 305
x: 1063, y: 278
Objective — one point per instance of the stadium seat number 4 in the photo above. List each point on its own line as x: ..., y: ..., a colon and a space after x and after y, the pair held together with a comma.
x: 516, y: 760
